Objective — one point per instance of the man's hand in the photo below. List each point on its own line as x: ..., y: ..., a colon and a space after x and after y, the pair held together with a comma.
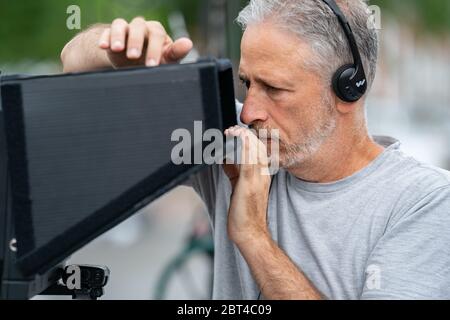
x: 123, y: 44
x: 251, y: 183
x: 275, y: 273
x: 141, y: 42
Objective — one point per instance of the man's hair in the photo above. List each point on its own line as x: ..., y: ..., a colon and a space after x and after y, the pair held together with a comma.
x: 314, y: 22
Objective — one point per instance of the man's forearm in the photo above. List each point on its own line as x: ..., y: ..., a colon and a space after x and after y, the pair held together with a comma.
x: 83, y: 52
x: 275, y: 273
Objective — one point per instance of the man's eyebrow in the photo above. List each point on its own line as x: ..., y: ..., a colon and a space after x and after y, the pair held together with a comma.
x: 242, y: 76
x: 281, y: 84
x: 268, y: 83
x: 257, y: 79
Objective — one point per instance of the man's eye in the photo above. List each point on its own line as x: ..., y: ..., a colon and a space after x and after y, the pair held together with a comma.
x: 246, y: 83
x: 272, y: 89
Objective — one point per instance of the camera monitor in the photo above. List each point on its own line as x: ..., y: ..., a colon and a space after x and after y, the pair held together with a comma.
x: 86, y: 151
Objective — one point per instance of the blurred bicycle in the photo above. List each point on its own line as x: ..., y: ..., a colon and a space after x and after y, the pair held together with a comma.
x: 179, y: 274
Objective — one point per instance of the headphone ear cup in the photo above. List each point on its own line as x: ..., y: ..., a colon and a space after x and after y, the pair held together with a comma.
x: 342, y: 85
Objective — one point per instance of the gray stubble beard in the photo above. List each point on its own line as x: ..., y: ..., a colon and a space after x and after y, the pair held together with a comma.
x: 293, y: 155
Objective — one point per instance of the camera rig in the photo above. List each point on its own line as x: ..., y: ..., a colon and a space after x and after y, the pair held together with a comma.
x: 80, y: 153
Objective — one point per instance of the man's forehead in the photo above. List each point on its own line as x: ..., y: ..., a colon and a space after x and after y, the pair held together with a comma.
x: 265, y: 46
x: 266, y: 70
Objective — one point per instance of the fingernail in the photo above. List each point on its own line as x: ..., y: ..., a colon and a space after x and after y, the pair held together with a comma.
x: 151, y: 63
x: 103, y: 44
x: 134, y: 53
x: 117, y: 45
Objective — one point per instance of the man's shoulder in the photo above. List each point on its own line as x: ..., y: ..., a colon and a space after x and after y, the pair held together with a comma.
x: 419, y: 187
x: 430, y: 184
x: 397, y: 168
x: 415, y: 174
x: 436, y: 176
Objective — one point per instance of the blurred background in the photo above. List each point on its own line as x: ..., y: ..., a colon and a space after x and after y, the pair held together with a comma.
x: 164, y: 252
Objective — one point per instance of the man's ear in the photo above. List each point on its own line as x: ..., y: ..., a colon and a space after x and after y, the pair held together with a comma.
x: 346, y: 107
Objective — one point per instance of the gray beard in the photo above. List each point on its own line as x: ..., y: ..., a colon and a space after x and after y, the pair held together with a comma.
x: 294, y: 155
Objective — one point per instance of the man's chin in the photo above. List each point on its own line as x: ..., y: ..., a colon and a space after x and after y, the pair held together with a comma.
x: 291, y: 161
x: 285, y: 159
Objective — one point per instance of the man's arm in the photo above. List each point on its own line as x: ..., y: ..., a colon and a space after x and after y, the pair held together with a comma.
x: 123, y: 44
x: 83, y: 53
x: 274, y: 272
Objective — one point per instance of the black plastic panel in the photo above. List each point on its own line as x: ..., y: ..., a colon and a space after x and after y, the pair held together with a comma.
x: 86, y: 151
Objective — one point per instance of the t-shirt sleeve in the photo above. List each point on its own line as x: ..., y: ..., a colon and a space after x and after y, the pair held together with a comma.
x: 412, y: 259
x: 205, y: 184
x: 206, y: 181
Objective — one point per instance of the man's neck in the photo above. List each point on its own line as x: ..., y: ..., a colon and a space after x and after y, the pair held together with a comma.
x: 338, y: 160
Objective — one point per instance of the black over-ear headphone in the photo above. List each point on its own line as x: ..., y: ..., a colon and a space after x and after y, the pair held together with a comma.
x: 349, y: 81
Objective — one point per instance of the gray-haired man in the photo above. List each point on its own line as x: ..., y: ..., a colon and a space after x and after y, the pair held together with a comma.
x: 349, y: 216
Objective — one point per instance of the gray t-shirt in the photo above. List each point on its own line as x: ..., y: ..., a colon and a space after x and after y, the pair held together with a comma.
x: 383, y: 233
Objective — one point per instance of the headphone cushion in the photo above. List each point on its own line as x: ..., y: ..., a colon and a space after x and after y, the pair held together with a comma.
x: 341, y: 83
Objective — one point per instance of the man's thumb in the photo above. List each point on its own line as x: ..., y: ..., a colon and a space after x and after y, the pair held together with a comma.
x: 179, y: 49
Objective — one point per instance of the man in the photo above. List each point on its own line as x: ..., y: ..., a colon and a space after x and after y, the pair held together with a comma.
x: 349, y: 216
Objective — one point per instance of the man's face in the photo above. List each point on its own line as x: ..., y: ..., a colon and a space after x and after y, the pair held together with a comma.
x: 282, y: 94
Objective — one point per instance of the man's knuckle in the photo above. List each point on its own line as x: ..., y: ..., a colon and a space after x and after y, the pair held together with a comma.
x: 139, y: 20
x: 119, y: 22
x: 158, y: 34
x: 156, y: 24
x: 157, y: 28
x: 138, y: 25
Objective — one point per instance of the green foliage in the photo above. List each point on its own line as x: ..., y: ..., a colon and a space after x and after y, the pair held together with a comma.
x: 37, y: 30
x: 430, y: 16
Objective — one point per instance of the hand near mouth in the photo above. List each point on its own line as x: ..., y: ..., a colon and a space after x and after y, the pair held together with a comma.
x: 250, y: 182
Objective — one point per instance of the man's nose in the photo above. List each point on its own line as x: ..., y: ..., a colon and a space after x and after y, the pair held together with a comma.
x: 253, y: 110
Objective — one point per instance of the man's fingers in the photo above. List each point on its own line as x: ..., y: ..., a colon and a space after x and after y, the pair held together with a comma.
x: 156, y: 42
x: 247, y: 154
x: 155, y: 49
x: 132, y: 38
x: 253, y: 150
x: 105, y: 39
x: 178, y: 50
x: 137, y: 32
x: 119, y: 29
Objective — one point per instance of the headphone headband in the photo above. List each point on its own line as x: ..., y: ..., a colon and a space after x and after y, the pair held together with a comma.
x: 357, y: 79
